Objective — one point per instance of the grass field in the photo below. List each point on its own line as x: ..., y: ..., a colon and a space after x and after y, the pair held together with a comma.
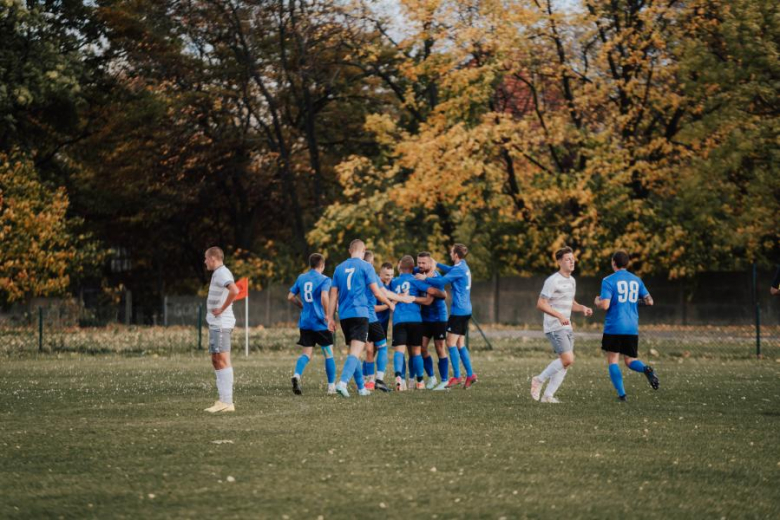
x: 118, y: 436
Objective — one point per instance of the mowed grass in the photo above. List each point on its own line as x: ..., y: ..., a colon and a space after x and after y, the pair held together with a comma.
x: 126, y: 437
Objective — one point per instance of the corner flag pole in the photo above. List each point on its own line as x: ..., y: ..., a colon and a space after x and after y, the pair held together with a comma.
x: 243, y: 292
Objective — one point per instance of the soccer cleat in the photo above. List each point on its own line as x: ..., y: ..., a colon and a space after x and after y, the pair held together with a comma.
x: 380, y: 385
x: 400, y: 384
x: 470, y: 381
x: 370, y: 385
x: 296, y: 386
x: 550, y: 399
x: 420, y: 385
x: 409, y: 383
x: 432, y: 382
x: 536, y: 388
x: 623, y: 398
x: 364, y: 392
x: 453, y: 382
x: 441, y: 386
x: 341, y: 389
x: 219, y: 406
x: 404, y: 386
x: 651, y: 377
x: 331, y: 389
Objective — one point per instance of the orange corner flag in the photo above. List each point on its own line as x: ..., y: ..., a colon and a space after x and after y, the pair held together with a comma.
x: 243, y: 288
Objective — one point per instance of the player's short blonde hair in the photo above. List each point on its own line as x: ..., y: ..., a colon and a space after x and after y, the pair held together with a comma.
x: 215, y: 252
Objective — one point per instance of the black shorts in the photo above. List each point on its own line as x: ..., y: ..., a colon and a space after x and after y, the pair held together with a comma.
x: 458, y: 324
x: 385, y: 326
x: 409, y: 334
x: 376, y: 333
x: 309, y: 338
x: 626, y: 344
x: 435, y: 329
x: 355, y: 329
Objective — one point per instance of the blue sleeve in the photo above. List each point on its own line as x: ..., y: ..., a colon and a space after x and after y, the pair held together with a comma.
x: 443, y: 268
x: 606, y: 290
x: 326, y: 283
x: 369, y: 273
x: 393, y: 285
x: 337, y: 279
x: 295, y: 289
x: 643, y: 292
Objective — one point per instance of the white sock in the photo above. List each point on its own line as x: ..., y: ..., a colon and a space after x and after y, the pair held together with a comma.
x: 552, y: 369
x: 225, y: 384
x: 380, y: 376
x: 555, y: 382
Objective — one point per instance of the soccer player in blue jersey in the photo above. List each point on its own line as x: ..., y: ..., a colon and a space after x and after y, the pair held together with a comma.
x: 383, y: 313
x: 350, y: 281
x: 434, y: 318
x: 377, y: 337
x: 458, y: 276
x: 407, y: 323
x: 621, y: 294
x: 310, y: 294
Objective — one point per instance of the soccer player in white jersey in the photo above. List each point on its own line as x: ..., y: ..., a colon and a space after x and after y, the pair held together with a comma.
x: 219, y: 316
x: 557, y: 303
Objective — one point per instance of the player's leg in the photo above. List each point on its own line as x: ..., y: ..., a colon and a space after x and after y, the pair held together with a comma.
x: 369, y: 365
x: 566, y: 355
x: 381, y: 360
x: 330, y: 367
x: 426, y: 340
x: 631, y: 360
x: 444, y: 363
x: 219, y: 347
x: 300, y: 366
x: 417, y: 364
x: 465, y: 356
x: 615, y: 375
x: 356, y: 335
x: 555, y: 366
x: 452, y: 348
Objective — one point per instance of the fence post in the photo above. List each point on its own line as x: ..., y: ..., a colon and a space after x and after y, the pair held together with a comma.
x: 40, y: 329
x: 200, y: 322
x: 758, y: 310
x: 165, y: 310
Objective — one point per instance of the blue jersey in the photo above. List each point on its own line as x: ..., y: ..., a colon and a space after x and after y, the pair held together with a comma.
x: 407, y: 312
x: 310, y: 287
x: 372, y: 317
x: 623, y: 290
x: 352, y: 278
x: 383, y: 317
x: 459, y: 278
x: 436, y: 311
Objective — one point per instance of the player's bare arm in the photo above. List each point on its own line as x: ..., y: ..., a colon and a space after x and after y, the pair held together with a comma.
x: 401, y: 298
x: 647, y: 301
x: 578, y: 307
x: 424, y: 300
x: 543, y: 304
x: 601, y: 304
x: 325, y: 301
x: 232, y: 293
x: 437, y: 293
x: 293, y: 298
x: 382, y: 296
x: 333, y: 296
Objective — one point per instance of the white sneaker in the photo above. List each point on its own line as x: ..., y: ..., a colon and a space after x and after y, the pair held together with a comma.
x: 550, y: 399
x: 341, y: 389
x: 410, y: 384
x: 219, y: 406
x: 432, y: 382
x: 441, y: 386
x: 332, y: 389
x: 364, y: 392
x: 536, y: 388
x: 400, y: 384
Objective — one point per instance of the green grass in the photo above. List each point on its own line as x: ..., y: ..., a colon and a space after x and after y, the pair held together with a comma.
x: 114, y: 436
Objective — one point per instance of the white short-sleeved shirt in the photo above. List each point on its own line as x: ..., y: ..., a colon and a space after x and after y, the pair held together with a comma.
x: 218, y: 293
x: 559, y: 291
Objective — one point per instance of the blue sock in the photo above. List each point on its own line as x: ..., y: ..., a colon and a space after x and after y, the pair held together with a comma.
x: 455, y: 357
x: 466, y: 358
x: 444, y: 368
x: 330, y: 364
x: 359, y: 381
x: 412, y: 368
x: 348, y: 371
x: 637, y: 366
x: 365, y: 368
x: 368, y: 368
x: 428, y: 364
x: 398, y: 364
x: 417, y: 362
x: 300, y: 365
x: 381, y: 359
x: 403, y: 367
x: 617, y: 379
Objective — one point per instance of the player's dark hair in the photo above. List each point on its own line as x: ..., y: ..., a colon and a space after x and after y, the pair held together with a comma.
x: 368, y: 256
x: 423, y: 254
x: 386, y: 265
x: 460, y: 250
x: 563, y: 251
x: 316, y: 260
x: 356, y: 244
x: 407, y: 263
x: 215, y: 252
x: 621, y: 259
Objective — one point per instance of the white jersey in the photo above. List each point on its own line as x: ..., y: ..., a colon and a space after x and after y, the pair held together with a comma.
x: 218, y: 293
x: 559, y: 291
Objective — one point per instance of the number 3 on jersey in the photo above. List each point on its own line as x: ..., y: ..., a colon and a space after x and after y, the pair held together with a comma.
x: 628, y: 291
